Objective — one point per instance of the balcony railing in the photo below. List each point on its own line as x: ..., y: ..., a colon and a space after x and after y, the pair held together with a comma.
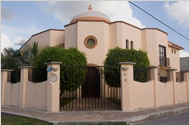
x: 167, y: 61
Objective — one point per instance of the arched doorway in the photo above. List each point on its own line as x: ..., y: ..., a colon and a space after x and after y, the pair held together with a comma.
x: 91, y: 85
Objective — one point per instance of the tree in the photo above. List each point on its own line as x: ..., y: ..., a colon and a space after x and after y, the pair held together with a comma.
x: 70, y: 58
x: 11, y: 59
x: 30, y: 53
x: 117, y: 55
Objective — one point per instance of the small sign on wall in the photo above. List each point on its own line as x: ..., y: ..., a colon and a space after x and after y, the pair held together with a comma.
x: 49, y: 69
x: 53, y: 77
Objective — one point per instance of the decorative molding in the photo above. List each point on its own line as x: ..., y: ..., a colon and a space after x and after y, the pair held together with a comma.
x: 53, y: 62
x: 128, y: 63
x: 90, y: 37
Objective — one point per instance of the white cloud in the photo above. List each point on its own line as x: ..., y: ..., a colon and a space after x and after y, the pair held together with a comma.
x: 15, y: 36
x: 115, y: 10
x: 179, y: 11
x: 5, y: 41
x: 183, y: 54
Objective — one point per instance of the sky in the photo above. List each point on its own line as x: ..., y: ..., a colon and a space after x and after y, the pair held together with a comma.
x: 19, y: 20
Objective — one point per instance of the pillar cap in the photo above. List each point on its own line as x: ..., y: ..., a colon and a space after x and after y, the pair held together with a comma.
x: 26, y: 67
x: 54, y: 62
x: 171, y: 69
x: 153, y: 67
x: 128, y: 63
x: 8, y: 70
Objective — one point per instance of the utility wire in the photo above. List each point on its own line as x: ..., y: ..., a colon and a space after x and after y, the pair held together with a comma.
x: 159, y: 20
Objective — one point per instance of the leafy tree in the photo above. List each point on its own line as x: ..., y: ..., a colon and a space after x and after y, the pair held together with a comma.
x: 11, y: 59
x: 117, y: 55
x: 30, y: 53
x: 70, y: 58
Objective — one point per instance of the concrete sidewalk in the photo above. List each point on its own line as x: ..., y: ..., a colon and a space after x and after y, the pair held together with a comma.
x: 96, y: 117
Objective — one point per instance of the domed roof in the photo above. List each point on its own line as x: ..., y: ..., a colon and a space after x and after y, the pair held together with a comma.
x: 90, y: 15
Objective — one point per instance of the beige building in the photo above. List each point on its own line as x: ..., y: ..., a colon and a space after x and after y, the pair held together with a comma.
x: 94, y: 34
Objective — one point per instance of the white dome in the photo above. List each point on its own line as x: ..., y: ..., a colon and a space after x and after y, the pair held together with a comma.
x: 90, y: 13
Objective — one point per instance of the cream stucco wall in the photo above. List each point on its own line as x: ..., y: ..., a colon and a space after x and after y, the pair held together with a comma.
x: 43, y: 40
x: 126, y: 32
x: 109, y: 35
x: 151, y: 39
x: 12, y: 94
x: 142, y: 91
x: 36, y: 95
x: 180, y: 92
x: 149, y: 45
x: 174, y: 58
x: 71, y: 36
x: 138, y: 95
x: 164, y: 93
x: 100, y: 30
x: 57, y: 37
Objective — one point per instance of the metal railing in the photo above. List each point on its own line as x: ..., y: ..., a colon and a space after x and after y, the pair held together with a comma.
x: 89, y: 92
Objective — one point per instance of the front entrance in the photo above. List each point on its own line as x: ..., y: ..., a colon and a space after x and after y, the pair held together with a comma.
x: 93, y: 93
x: 91, y: 85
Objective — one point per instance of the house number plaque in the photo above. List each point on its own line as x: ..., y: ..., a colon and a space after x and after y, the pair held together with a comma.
x: 53, y: 78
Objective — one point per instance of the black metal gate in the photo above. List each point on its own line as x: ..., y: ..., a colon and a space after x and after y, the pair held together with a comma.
x: 85, y: 89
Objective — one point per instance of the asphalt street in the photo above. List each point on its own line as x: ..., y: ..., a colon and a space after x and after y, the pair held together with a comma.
x: 181, y: 118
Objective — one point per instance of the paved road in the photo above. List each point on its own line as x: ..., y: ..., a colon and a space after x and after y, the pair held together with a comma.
x: 181, y: 118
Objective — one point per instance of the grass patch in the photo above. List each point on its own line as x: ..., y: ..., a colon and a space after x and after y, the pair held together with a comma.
x: 9, y: 119
x: 115, y: 100
x: 65, y: 101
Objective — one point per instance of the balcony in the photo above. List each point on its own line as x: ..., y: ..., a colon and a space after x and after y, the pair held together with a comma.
x: 167, y: 62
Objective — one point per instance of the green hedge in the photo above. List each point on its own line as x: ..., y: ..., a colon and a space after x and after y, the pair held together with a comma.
x: 69, y: 58
x: 117, y: 55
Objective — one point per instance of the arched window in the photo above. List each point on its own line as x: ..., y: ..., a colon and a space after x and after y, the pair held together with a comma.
x: 132, y: 45
x: 127, y: 44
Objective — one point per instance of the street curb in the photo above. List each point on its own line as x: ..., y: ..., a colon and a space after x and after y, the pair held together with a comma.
x: 131, y: 120
x: 155, y: 114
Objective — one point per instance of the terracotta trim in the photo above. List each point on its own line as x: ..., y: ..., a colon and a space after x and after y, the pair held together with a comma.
x: 90, y: 37
x: 90, y: 19
x: 85, y: 21
x: 126, y: 23
x: 92, y: 64
x: 115, y: 22
x: 48, y: 30
x: 173, y: 45
x: 156, y: 29
x: 164, y: 67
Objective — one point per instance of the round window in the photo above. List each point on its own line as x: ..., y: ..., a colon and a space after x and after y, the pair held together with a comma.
x: 90, y: 42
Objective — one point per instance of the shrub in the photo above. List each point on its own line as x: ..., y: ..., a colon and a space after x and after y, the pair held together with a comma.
x: 117, y: 55
x: 69, y: 58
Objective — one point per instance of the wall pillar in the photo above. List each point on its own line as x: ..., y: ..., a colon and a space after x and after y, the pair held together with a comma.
x: 154, y: 76
x: 23, y: 80
x: 4, y: 79
x: 186, y: 78
x: 126, y: 79
x: 53, y: 87
x: 173, y: 79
